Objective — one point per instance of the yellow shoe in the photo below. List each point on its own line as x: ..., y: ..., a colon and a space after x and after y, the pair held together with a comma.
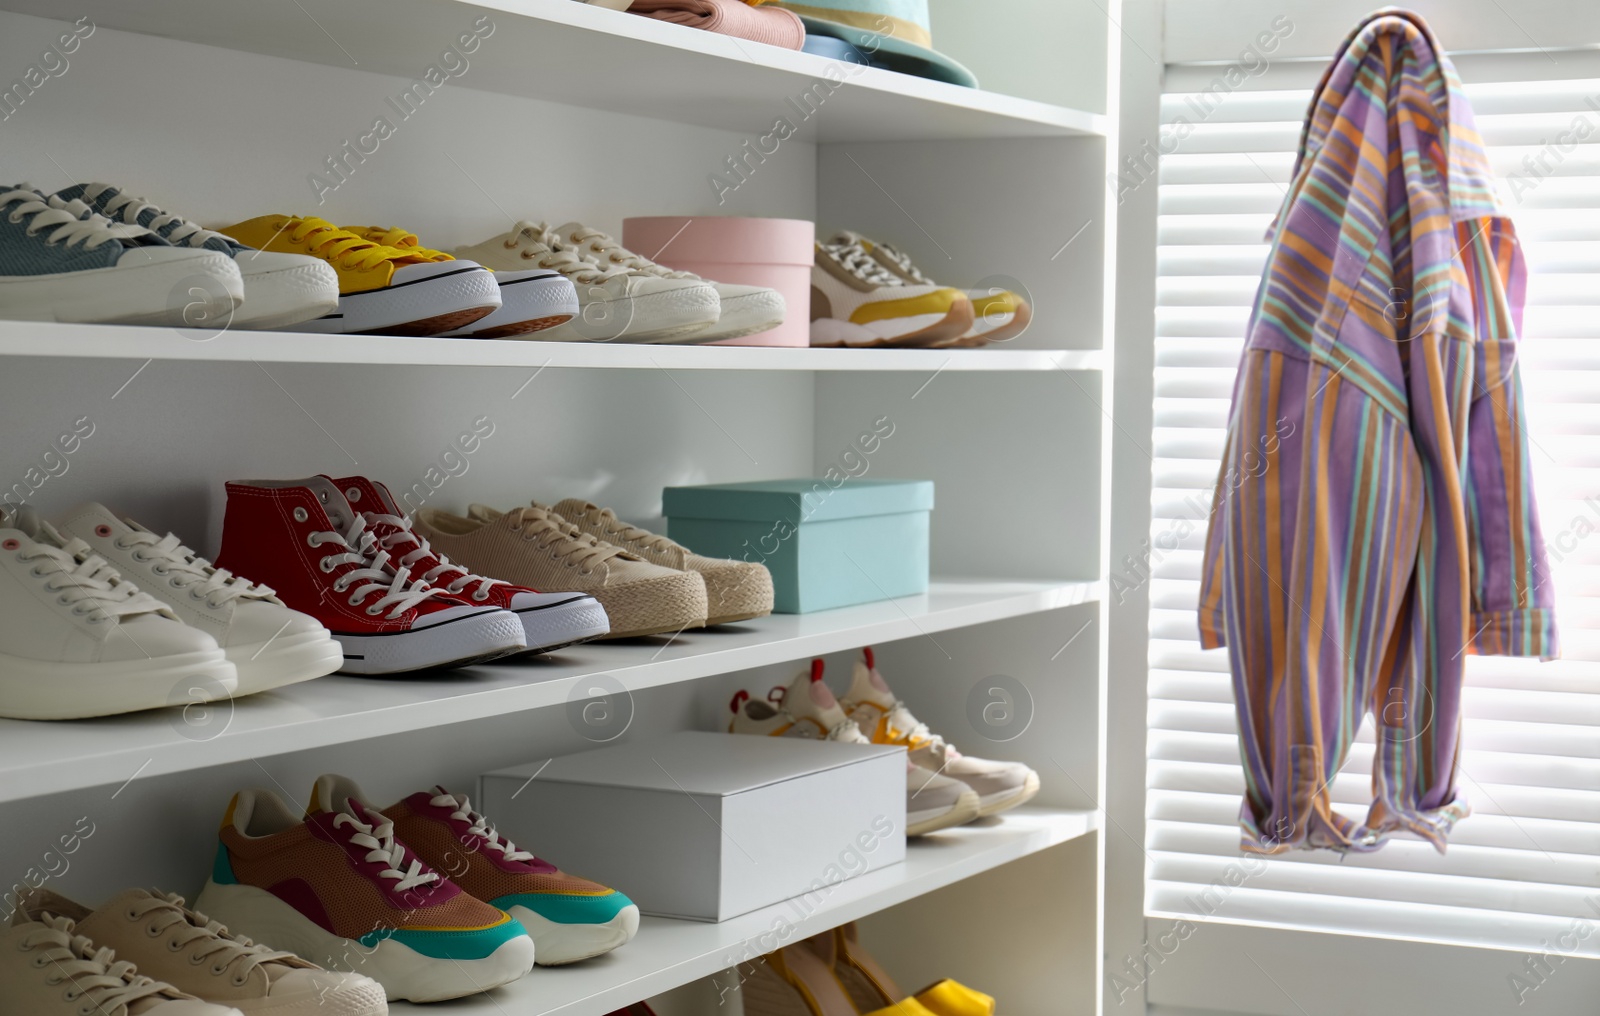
x: 530, y: 300
x: 871, y: 988
x: 382, y: 289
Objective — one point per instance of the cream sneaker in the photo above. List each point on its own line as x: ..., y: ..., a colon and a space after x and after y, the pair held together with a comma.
x: 884, y: 719
x: 735, y: 590
x: 270, y: 645
x: 198, y: 956
x: 855, y: 301
x: 78, y: 640
x: 536, y: 547
x: 998, y: 315
x: 807, y: 708
x: 617, y: 303
x: 48, y: 969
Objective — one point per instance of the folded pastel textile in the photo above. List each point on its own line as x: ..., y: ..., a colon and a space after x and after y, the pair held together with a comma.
x: 771, y: 25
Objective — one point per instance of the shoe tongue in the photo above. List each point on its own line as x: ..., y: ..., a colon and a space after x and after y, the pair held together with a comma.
x: 335, y: 794
x: 102, y: 924
x: 808, y: 698
x: 564, y: 233
x: 845, y: 238
x: 337, y: 506
x: 367, y: 495
x: 867, y: 685
x: 572, y: 507
x: 26, y: 519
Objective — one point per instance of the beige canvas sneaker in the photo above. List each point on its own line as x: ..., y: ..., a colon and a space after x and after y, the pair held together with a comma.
x: 884, y: 719
x: 807, y: 708
x: 735, y: 590
x: 48, y: 969
x: 163, y: 939
x: 536, y: 547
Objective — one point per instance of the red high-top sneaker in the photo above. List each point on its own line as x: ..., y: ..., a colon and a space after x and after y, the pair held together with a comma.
x: 302, y: 538
x: 550, y: 621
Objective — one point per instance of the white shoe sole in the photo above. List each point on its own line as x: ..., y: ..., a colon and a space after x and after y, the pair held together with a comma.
x: 279, y: 662
x: 931, y: 820
x: 918, y: 330
x: 746, y: 315
x: 994, y: 804
x: 546, y: 629
x: 406, y: 975
x: 43, y: 690
x: 675, y: 315
x: 529, y: 302
x: 151, y: 293
x: 288, y: 296
x: 557, y: 944
x: 428, y: 306
x: 472, y: 638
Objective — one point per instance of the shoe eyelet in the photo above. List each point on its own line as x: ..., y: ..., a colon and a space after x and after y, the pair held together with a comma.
x: 15, y: 218
x: 37, y: 572
x: 322, y: 496
x: 11, y: 544
x: 528, y: 255
x: 71, y: 994
x: 176, y: 584
x: 174, y: 945
x: 217, y: 971
x: 509, y: 244
x: 237, y: 981
x: 300, y: 515
x: 327, y: 565
x: 154, y: 931
x: 160, y: 569
x: 354, y: 601
x: 140, y: 555
x: 102, y: 531
x: 62, y: 599
x: 372, y: 611
x: 312, y: 541
x: 353, y: 493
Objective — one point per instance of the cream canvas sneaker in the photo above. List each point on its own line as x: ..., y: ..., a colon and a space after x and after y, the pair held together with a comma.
x: 735, y: 590
x: 807, y: 708
x: 855, y: 301
x: 48, y: 969
x: 744, y: 310
x: 536, y: 547
x: 616, y: 303
x: 199, y: 957
x: 270, y: 645
x: 78, y: 640
x: 884, y: 719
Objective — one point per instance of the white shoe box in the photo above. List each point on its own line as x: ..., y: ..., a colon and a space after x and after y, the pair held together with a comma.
x: 707, y: 826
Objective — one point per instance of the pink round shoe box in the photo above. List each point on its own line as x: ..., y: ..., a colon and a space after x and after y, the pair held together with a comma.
x: 777, y: 253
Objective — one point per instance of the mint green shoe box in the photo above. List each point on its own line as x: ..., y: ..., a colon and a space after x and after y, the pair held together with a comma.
x: 827, y: 546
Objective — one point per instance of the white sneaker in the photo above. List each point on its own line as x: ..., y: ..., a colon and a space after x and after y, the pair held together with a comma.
x: 279, y: 289
x: 855, y: 301
x: 270, y: 645
x: 807, y: 708
x: 77, y: 640
x: 61, y: 261
x: 616, y: 303
x: 745, y: 310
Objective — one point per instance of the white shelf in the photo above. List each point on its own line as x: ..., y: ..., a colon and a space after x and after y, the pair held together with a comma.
x: 668, y: 953
x: 45, y: 758
x: 580, y: 55
x: 23, y: 338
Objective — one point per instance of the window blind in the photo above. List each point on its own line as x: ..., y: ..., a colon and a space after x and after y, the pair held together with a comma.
x: 1525, y: 866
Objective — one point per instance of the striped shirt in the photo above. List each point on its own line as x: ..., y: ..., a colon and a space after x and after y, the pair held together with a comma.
x: 1374, y: 520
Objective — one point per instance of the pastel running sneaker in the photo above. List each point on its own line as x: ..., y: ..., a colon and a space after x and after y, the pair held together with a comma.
x: 570, y: 918
x: 531, y: 299
x: 200, y: 957
x: 279, y: 289
x: 884, y: 719
x: 339, y: 889
x: 998, y: 315
x: 855, y: 301
x: 807, y: 708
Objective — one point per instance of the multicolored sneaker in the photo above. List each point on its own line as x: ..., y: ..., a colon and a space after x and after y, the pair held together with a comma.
x: 200, y: 957
x: 807, y: 708
x: 569, y: 918
x: 531, y: 300
x: 340, y: 890
x: 999, y: 315
x: 855, y: 301
x: 550, y: 621
x: 884, y: 719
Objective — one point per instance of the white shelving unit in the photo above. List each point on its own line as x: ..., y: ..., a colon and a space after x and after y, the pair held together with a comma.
x: 226, y: 109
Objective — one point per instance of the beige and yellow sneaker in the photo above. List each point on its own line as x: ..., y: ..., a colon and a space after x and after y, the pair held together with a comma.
x: 856, y: 301
x: 735, y: 590
x: 48, y: 969
x: 999, y: 315
x: 158, y: 935
x: 536, y: 547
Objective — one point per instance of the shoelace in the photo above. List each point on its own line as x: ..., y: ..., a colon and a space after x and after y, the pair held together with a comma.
x: 399, y: 239
x: 104, y: 982
x: 189, y: 571
x: 71, y: 225
x: 403, y: 534
x: 186, y: 233
x: 562, y: 538
x: 548, y: 250
x: 479, y: 826
x: 906, y: 727
x: 331, y: 243
x: 844, y: 730
x: 859, y: 263
x: 903, y: 261
x: 382, y: 848
x: 613, y: 526
x: 595, y: 246
x: 375, y: 571
x: 209, y: 938
x: 86, y: 582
